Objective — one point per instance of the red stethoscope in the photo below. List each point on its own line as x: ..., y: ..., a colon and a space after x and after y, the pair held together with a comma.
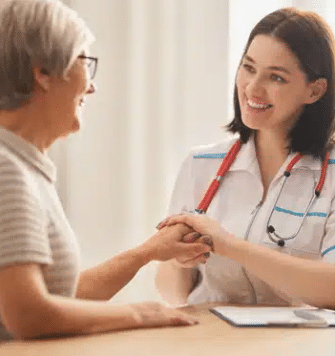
x: 224, y: 168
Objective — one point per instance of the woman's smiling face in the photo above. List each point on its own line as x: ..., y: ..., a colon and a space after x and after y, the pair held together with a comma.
x: 71, y: 94
x: 272, y: 88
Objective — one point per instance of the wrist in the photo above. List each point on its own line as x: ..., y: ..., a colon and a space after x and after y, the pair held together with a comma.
x: 135, y: 258
x: 143, y: 254
x: 235, y: 249
x: 225, y: 245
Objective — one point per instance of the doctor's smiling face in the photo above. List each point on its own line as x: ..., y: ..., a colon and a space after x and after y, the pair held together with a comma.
x: 271, y: 86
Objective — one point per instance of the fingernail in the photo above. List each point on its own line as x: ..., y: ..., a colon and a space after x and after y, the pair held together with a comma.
x: 207, y: 254
x: 161, y: 224
x: 193, y: 321
x: 194, y: 236
x: 208, y: 241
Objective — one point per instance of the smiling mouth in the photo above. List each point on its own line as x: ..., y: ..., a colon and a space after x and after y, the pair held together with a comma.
x: 258, y: 106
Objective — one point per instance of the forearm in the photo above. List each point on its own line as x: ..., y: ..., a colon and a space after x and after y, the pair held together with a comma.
x: 102, y: 282
x: 66, y: 316
x: 312, y: 282
x: 174, y: 283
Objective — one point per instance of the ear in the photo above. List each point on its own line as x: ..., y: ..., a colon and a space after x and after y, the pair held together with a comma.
x: 316, y: 90
x: 42, y: 78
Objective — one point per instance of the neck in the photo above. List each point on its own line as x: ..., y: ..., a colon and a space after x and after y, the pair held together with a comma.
x: 271, y: 151
x: 26, y: 123
x: 272, y: 144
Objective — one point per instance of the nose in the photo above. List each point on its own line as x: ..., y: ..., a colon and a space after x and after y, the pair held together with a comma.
x: 255, y: 87
x: 92, y: 89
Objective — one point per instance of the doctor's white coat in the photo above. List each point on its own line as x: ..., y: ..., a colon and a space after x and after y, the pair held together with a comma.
x: 239, y: 208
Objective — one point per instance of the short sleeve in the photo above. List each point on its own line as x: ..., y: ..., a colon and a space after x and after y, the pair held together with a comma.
x: 328, y: 243
x: 23, y: 224
x: 182, y: 198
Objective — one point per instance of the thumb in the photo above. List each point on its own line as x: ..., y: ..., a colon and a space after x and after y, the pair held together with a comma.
x: 206, y: 239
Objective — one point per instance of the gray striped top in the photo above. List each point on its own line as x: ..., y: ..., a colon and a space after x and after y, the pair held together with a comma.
x: 33, y: 226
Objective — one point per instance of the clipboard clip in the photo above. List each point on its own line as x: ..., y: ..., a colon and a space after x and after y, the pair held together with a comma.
x: 311, y: 319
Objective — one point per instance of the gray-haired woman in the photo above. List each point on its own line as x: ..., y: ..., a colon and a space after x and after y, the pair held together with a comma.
x: 45, y: 74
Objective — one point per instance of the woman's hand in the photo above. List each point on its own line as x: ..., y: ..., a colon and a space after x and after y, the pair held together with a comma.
x: 151, y: 314
x: 219, y: 238
x: 168, y: 244
x: 186, y: 262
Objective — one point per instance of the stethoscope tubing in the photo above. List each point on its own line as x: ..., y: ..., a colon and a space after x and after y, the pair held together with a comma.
x: 224, y: 168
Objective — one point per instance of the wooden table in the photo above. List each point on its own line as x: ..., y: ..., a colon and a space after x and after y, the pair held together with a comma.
x: 212, y: 336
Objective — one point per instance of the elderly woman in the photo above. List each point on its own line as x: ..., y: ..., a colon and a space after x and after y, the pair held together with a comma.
x: 46, y: 73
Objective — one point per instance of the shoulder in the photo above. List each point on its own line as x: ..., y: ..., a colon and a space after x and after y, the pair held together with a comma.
x: 10, y: 164
x: 15, y: 175
x: 214, y: 150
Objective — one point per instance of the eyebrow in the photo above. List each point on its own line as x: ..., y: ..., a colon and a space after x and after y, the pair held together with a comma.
x: 277, y: 68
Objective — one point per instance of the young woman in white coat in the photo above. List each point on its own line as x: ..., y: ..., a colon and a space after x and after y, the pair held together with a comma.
x: 270, y: 209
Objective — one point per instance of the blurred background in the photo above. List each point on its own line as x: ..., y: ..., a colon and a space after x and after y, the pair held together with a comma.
x: 165, y: 83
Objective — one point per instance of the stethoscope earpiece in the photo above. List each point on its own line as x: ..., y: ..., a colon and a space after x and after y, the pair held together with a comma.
x: 281, y: 243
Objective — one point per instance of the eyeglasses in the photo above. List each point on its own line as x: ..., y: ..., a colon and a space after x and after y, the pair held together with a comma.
x: 92, y: 64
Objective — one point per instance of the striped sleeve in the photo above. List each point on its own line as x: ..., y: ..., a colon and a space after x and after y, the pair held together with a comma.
x: 23, y: 225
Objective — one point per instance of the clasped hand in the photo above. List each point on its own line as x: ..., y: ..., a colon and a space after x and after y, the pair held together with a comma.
x: 179, y: 243
x: 203, y: 229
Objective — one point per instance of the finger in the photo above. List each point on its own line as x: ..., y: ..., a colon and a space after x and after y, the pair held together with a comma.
x: 191, y: 237
x: 175, y: 219
x: 177, y: 317
x: 165, y: 221
x: 161, y: 224
x: 192, y: 250
x: 184, y: 218
x: 206, y: 239
x: 182, y: 319
x: 189, y: 263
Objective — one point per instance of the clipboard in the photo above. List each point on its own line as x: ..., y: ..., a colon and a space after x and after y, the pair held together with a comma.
x: 276, y: 316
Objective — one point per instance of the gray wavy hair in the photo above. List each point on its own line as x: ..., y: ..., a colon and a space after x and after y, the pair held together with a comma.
x: 36, y: 32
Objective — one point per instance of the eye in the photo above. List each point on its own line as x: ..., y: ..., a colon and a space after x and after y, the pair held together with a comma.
x: 249, y: 68
x: 278, y: 78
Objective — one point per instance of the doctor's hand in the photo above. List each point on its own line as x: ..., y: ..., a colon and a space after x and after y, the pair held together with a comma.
x: 192, y: 237
x: 167, y: 244
x: 220, y: 238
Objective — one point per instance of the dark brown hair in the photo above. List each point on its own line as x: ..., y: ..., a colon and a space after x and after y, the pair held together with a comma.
x: 311, y: 40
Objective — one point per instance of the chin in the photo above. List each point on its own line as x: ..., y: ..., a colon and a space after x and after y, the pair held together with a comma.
x: 76, y: 126
x: 252, y: 124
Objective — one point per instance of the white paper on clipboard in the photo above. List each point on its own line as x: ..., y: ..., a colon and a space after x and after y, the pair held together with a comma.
x: 276, y: 316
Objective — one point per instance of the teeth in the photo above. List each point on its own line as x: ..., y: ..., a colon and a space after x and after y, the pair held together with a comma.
x: 257, y: 105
